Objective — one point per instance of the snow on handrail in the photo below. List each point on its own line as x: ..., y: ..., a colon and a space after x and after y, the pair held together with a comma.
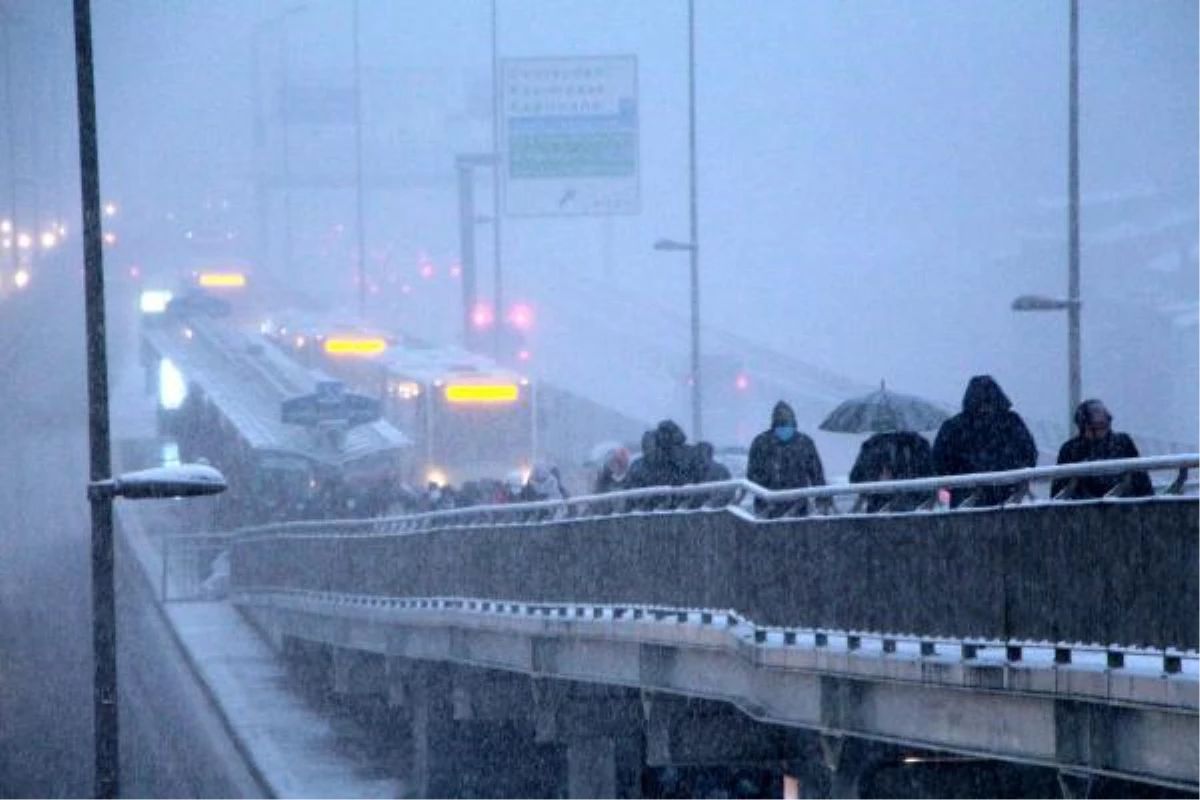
x: 736, y: 495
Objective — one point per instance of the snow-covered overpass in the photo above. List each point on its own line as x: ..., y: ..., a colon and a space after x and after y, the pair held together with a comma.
x: 1057, y: 634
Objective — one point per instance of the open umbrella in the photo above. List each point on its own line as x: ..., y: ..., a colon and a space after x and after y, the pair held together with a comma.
x: 883, y: 411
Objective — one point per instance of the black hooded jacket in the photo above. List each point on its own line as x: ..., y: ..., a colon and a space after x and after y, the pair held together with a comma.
x: 666, y: 459
x: 987, y: 436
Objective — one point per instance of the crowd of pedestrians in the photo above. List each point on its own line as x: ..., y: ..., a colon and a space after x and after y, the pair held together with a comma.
x: 987, y: 435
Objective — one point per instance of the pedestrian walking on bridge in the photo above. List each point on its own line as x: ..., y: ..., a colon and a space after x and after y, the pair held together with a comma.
x: 1097, y: 441
x: 986, y: 436
x: 782, y: 457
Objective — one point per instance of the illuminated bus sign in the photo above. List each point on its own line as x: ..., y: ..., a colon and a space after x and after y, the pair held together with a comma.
x: 221, y: 280
x: 468, y: 393
x: 353, y: 346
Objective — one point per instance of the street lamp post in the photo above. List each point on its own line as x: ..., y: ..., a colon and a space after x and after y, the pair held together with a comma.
x: 183, y: 481
x: 693, y: 218
x: 465, y: 165
x: 1072, y: 304
x: 279, y: 20
x: 1075, y: 377
x: 10, y: 113
x: 497, y: 163
x: 693, y: 245
x: 358, y: 174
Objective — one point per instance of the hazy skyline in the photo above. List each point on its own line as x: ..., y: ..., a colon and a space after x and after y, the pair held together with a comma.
x: 876, y: 182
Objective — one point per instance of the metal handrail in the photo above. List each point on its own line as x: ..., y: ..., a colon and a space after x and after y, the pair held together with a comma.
x: 736, y: 495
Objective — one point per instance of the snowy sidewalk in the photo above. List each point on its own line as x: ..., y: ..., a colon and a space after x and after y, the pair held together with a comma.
x: 293, y: 747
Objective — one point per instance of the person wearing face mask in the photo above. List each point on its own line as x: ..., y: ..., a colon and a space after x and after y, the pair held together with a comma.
x: 1097, y: 441
x: 782, y: 457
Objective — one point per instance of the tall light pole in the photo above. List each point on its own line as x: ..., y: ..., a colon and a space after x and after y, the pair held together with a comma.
x: 497, y: 273
x: 280, y: 21
x: 1073, y: 303
x: 693, y: 217
x: 104, y: 621
x: 358, y: 175
x: 465, y: 164
x: 692, y: 247
x: 10, y: 113
x: 1075, y: 378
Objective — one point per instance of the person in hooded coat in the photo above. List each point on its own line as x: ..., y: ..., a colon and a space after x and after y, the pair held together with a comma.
x: 614, y: 474
x: 986, y: 436
x: 783, y: 458
x: 678, y: 462
x: 640, y: 471
x: 544, y: 484
x: 1098, y: 442
x: 893, y: 456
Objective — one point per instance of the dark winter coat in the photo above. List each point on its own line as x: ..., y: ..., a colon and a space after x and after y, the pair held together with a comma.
x: 1111, y: 446
x: 678, y: 460
x: 987, y: 436
x: 666, y: 460
x: 893, y: 456
x: 641, y: 469
x: 777, y: 464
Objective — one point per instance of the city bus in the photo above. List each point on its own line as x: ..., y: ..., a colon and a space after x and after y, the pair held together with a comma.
x: 469, y: 418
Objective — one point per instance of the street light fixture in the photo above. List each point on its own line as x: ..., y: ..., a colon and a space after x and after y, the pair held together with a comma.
x: 182, y: 481
x: 1037, y: 302
x: 671, y: 245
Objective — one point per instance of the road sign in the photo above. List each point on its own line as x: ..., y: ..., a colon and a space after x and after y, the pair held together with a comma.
x: 570, y: 136
x: 330, y: 405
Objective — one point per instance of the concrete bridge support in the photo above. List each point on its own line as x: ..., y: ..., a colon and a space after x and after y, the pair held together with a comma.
x: 476, y: 733
x: 848, y: 761
x: 432, y: 768
x: 694, y: 732
x: 600, y: 732
x: 1075, y: 786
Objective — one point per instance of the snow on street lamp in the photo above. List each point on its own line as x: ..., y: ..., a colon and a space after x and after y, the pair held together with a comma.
x: 182, y: 480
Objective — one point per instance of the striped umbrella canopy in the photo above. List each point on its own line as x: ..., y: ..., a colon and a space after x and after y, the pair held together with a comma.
x: 884, y: 410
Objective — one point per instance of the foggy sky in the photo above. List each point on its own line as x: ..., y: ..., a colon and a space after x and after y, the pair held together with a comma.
x: 876, y: 181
